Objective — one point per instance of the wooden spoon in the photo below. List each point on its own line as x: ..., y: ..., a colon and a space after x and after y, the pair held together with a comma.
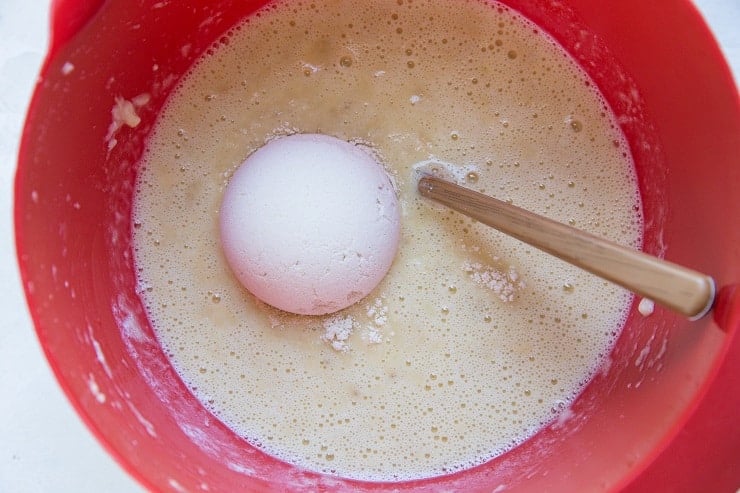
x: 683, y: 290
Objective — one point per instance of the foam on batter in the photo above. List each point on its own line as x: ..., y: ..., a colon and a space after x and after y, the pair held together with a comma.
x: 473, y: 341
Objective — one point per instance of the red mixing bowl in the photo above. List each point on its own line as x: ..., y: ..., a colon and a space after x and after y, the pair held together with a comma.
x: 660, y: 71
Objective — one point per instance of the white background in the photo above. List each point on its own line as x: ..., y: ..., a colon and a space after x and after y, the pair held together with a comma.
x: 44, y: 447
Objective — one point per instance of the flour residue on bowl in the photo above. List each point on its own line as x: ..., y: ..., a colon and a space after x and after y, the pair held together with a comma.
x: 124, y: 112
x: 473, y: 341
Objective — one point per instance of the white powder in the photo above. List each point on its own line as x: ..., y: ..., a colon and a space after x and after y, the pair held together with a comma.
x: 337, y: 330
x: 378, y: 312
x: 124, y: 113
x: 646, y: 307
x: 67, y: 68
x: 371, y: 335
x: 503, y: 283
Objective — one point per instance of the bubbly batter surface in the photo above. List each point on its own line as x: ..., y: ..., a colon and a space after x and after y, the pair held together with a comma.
x: 473, y: 341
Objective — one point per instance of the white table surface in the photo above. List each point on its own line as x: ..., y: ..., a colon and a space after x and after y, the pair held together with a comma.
x: 44, y: 447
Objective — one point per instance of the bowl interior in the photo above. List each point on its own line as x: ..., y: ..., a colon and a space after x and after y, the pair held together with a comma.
x: 677, y: 105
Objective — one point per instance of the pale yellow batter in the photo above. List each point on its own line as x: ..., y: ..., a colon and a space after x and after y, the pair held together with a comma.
x: 473, y: 341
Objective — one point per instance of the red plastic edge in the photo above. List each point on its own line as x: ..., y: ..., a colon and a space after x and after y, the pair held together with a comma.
x: 67, y: 18
x: 727, y: 308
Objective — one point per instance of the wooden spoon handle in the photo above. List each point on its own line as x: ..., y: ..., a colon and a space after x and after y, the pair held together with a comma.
x: 678, y: 288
